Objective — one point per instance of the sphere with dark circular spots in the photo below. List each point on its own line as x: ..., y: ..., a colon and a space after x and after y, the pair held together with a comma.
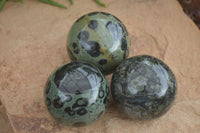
x: 143, y: 87
x: 101, y: 39
x: 75, y: 93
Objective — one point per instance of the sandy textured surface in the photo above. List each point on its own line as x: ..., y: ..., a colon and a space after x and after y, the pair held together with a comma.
x: 32, y: 45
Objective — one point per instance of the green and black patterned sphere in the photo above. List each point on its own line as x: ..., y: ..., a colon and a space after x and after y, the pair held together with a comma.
x: 143, y: 87
x: 100, y: 39
x: 77, y: 94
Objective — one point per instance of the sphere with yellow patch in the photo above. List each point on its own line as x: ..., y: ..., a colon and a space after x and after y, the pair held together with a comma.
x: 100, y: 39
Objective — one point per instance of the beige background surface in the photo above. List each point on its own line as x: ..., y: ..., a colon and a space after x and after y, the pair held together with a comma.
x: 32, y: 45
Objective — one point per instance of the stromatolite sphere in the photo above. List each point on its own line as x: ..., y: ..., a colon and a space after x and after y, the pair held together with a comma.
x: 100, y: 39
x: 143, y: 87
x: 77, y: 94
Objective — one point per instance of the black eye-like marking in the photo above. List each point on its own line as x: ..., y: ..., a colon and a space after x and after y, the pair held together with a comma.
x: 107, y: 89
x: 91, y: 47
x: 94, y: 51
x: 83, y: 35
x: 57, y: 103
x: 81, y: 111
x: 75, y: 47
x: 76, y: 51
x: 93, y: 24
x: 81, y: 102
x: 70, y: 111
x: 101, y: 93
x: 102, y: 61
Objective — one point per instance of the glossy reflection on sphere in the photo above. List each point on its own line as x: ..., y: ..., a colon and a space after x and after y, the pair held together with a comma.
x: 100, y: 39
x: 143, y: 87
x: 77, y: 94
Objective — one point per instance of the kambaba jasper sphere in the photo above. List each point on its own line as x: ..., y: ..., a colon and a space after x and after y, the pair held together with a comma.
x: 143, y: 87
x: 77, y: 94
x: 100, y: 39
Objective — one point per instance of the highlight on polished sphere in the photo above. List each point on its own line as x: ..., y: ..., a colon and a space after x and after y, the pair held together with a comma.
x: 77, y: 94
x: 143, y: 87
x: 100, y: 39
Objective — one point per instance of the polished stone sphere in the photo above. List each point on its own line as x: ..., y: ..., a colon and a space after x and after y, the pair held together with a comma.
x: 100, y: 39
x: 143, y: 87
x: 77, y: 94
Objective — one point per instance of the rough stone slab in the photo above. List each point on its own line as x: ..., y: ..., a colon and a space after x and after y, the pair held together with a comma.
x: 32, y: 45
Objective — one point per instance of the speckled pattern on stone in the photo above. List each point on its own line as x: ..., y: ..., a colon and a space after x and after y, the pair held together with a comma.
x: 143, y: 87
x: 77, y: 94
x: 99, y: 38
